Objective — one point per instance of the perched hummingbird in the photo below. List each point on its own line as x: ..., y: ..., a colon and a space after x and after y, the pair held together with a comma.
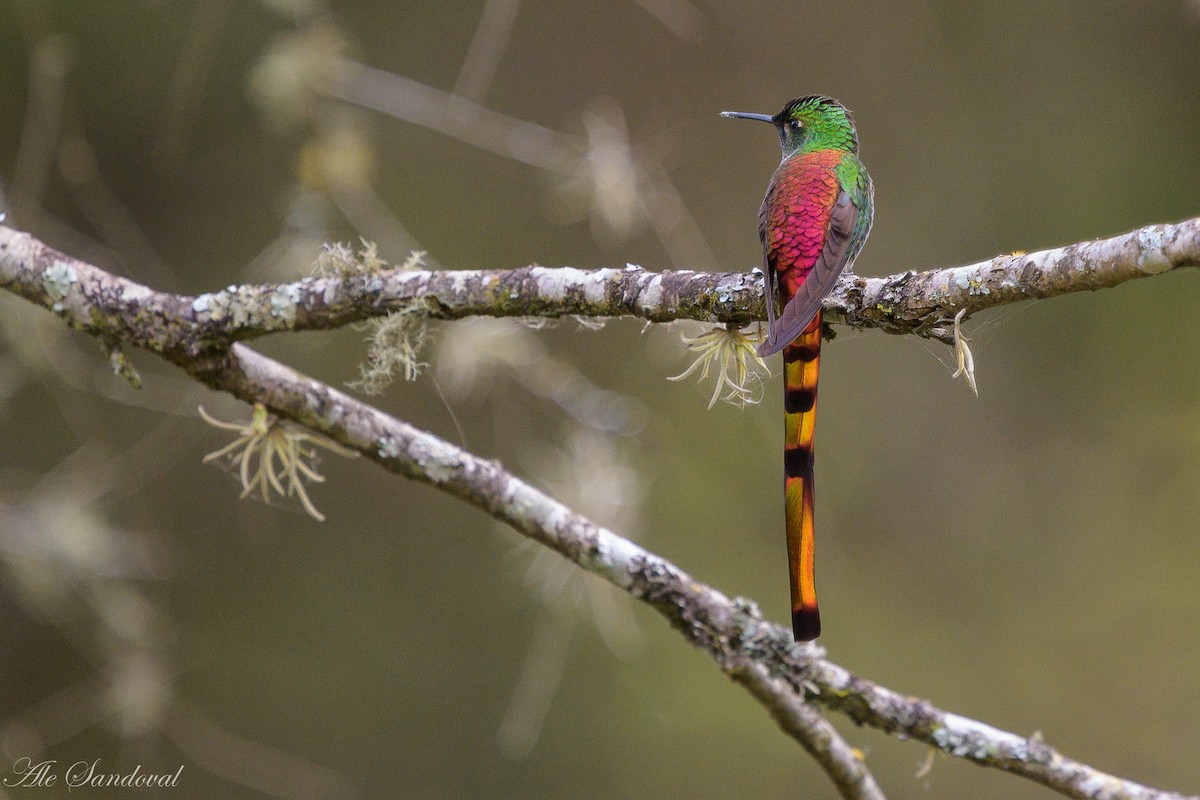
x: 813, y: 222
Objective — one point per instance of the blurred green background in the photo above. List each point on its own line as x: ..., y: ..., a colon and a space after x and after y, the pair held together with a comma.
x: 1028, y: 558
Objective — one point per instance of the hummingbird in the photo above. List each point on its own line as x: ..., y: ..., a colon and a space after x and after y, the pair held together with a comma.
x: 813, y: 223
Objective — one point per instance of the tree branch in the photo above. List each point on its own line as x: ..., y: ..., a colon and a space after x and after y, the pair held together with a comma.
x: 800, y: 720
x: 919, y: 302
x: 924, y: 303
x: 758, y: 654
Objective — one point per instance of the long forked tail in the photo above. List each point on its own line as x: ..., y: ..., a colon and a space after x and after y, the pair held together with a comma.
x: 801, y: 360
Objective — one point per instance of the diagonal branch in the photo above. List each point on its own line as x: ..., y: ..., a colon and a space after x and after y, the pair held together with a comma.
x: 800, y: 720
x: 758, y: 654
x: 731, y: 632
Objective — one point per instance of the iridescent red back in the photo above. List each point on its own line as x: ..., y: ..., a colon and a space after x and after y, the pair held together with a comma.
x: 795, y: 216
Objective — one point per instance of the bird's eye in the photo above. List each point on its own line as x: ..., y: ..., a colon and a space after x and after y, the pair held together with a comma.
x: 794, y: 124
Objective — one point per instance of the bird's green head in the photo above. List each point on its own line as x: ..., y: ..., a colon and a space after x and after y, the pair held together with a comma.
x: 810, y: 123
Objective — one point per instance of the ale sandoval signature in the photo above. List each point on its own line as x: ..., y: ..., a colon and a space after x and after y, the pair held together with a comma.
x: 27, y: 772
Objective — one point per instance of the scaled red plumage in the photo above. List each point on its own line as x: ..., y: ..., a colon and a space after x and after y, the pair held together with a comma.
x: 796, y: 215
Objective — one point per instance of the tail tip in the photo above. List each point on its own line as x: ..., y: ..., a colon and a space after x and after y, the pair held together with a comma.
x: 806, y: 624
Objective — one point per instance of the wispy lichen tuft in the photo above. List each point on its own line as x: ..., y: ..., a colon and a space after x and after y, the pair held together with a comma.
x: 339, y: 260
x: 273, y: 456
x: 415, y: 259
x: 733, y: 352
x: 395, y: 341
x: 962, y: 354
x: 395, y: 344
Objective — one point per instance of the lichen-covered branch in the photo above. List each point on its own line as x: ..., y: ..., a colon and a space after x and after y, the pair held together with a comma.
x: 911, y: 302
x: 801, y: 720
x: 915, y: 302
x: 758, y: 654
x: 96, y: 301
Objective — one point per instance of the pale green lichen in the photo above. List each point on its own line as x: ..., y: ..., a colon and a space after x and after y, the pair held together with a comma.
x: 973, y: 284
x: 244, y: 306
x: 223, y: 304
x: 439, y: 459
x: 1151, y: 258
x: 389, y: 447
x: 216, y: 305
x: 340, y: 260
x: 283, y: 303
x: 123, y: 368
x: 57, y: 281
x: 964, y: 745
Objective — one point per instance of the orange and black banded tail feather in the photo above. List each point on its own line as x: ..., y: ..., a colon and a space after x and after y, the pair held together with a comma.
x: 801, y: 360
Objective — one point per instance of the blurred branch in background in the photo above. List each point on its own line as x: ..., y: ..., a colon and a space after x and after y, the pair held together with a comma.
x: 196, y: 59
x: 487, y: 47
x: 89, y: 579
x: 246, y: 762
x: 469, y: 363
x: 679, y: 16
x: 94, y: 582
x: 603, y: 177
x: 304, y: 81
x: 49, y: 64
x: 759, y: 655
